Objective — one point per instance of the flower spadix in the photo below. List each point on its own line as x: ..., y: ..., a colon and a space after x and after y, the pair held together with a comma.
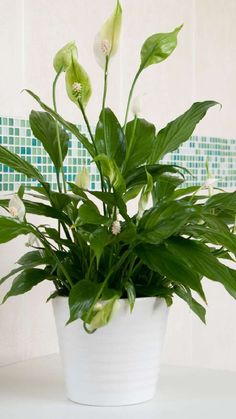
x: 16, y: 207
x: 107, y: 40
x: 63, y: 57
x: 78, y: 85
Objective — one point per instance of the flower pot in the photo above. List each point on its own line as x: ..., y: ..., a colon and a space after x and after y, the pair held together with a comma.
x: 119, y: 363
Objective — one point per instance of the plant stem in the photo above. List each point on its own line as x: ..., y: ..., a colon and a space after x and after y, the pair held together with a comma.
x: 58, y: 134
x: 130, y: 97
x: 96, y: 151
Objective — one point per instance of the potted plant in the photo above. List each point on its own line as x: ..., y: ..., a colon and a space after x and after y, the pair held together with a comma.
x: 115, y: 275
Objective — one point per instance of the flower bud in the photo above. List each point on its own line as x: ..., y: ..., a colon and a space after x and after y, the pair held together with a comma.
x: 107, y: 40
x: 116, y: 228
x: 16, y: 208
x: 136, y: 106
x: 83, y: 179
x: 63, y: 57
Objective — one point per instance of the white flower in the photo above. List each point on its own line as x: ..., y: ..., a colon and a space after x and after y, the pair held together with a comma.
x: 16, y: 208
x: 107, y: 40
x: 83, y: 179
x: 76, y: 89
x: 116, y: 228
x: 211, y: 181
x: 136, y: 106
x: 32, y: 240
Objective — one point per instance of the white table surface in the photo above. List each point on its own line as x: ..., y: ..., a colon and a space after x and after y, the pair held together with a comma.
x: 35, y: 390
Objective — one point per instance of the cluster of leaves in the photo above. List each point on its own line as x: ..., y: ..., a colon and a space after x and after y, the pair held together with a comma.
x: 97, y: 256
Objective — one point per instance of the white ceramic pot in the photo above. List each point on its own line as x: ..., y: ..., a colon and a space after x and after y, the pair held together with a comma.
x: 119, y: 363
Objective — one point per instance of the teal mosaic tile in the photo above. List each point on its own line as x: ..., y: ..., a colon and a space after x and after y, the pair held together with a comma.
x: 16, y: 135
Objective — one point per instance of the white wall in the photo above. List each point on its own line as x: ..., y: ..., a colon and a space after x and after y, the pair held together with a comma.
x: 202, y: 67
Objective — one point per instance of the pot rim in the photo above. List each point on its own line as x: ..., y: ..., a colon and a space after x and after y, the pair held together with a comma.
x: 138, y: 299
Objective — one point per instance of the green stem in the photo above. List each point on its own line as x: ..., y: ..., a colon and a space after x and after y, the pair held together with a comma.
x: 41, y: 237
x: 96, y: 151
x: 58, y: 134
x: 105, y: 282
x: 130, y: 97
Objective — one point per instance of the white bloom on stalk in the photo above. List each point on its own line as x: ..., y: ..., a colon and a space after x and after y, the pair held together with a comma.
x: 136, y: 106
x: 16, y: 208
x: 116, y: 227
x: 32, y: 240
x: 107, y: 40
x: 83, y: 179
x: 211, y: 181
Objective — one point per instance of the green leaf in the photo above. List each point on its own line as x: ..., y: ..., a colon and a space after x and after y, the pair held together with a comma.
x: 76, y: 75
x: 178, y: 131
x: 29, y: 260
x: 199, y: 258
x: 185, y: 294
x: 67, y: 125
x: 26, y: 281
x: 161, y: 222
x: 81, y: 299
x: 89, y: 214
x: 225, y: 201
x: 46, y: 130
x: 112, y: 173
x: 109, y: 137
x: 131, y: 293
x: 35, y: 257
x: 39, y: 208
x: 164, y: 187
x: 161, y: 260
x: 140, y: 136
x: 158, y: 47
x: 138, y: 176
x: 11, y: 228
x: 21, y: 166
x: 99, y: 239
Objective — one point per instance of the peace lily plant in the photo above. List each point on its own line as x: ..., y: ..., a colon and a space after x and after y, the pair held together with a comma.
x: 99, y: 254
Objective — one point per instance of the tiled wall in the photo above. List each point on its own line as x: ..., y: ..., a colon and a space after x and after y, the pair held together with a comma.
x: 16, y: 135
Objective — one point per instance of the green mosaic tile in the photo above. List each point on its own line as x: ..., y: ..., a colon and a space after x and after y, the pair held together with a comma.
x: 16, y: 135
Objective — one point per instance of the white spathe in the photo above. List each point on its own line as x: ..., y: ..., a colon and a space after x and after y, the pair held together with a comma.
x: 119, y: 363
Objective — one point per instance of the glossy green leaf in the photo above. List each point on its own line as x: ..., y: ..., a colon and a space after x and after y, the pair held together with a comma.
x: 161, y: 222
x: 67, y: 125
x: 26, y: 281
x: 109, y: 137
x: 178, y: 131
x: 21, y: 166
x: 44, y: 128
x: 81, y: 299
x: 158, y: 47
x: 185, y: 294
x: 10, y: 229
x: 225, y: 201
x: 89, y: 214
x: 99, y: 239
x: 140, y: 136
x: 164, y: 187
x: 138, y: 176
x: 199, y: 258
x: 161, y: 260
